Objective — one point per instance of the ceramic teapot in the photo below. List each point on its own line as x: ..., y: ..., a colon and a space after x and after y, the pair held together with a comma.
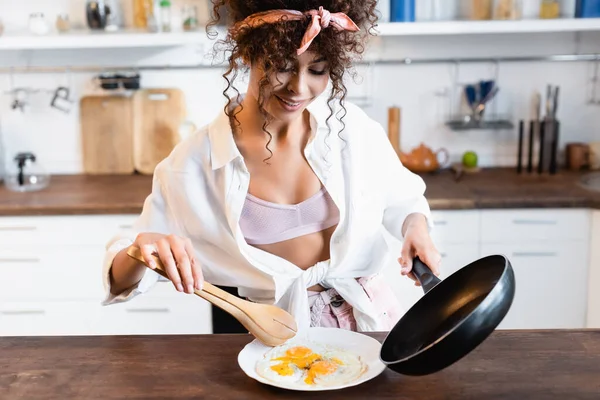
x: 423, y: 159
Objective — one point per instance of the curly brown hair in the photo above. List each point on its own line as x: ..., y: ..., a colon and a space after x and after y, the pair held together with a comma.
x: 273, y: 45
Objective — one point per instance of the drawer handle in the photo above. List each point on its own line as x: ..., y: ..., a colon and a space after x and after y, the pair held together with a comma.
x: 440, y: 223
x: 125, y: 226
x: 534, y: 254
x: 19, y: 260
x: 147, y: 310
x: 533, y: 222
x: 18, y: 228
x: 23, y: 312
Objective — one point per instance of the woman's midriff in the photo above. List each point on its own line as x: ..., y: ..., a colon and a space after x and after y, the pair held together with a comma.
x: 304, y: 251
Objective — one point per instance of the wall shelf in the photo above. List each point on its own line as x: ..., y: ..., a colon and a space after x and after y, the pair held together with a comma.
x: 85, y: 39
x: 488, y: 27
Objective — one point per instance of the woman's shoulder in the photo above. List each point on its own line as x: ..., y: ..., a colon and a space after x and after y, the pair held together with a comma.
x: 192, y: 152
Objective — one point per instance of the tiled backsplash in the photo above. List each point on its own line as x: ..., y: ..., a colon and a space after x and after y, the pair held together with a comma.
x: 423, y: 91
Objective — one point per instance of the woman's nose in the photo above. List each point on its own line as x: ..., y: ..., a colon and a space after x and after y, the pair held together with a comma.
x: 297, y: 83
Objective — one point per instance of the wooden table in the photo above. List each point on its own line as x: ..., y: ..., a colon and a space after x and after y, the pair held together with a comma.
x: 562, y: 365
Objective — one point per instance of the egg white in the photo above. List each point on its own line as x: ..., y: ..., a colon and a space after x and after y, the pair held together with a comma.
x: 351, y: 369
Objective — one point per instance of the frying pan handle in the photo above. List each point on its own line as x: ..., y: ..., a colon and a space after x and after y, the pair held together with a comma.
x: 424, y: 275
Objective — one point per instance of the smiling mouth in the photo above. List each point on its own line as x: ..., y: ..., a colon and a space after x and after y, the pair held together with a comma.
x: 289, y: 103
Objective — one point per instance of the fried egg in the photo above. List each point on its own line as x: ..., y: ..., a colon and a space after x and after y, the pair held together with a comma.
x: 309, y: 364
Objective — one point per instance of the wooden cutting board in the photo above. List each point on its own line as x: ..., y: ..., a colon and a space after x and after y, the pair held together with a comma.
x: 106, y: 124
x: 158, y: 115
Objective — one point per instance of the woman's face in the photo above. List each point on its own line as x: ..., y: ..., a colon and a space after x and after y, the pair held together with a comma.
x: 292, y: 89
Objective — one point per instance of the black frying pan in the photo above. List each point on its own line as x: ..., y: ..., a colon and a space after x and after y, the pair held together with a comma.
x: 452, y: 318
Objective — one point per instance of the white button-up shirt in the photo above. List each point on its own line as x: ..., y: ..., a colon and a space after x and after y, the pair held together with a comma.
x: 199, y: 190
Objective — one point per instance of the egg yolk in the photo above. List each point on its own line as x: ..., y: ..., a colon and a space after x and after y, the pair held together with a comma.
x: 283, y: 369
x: 323, y: 367
x: 304, y: 358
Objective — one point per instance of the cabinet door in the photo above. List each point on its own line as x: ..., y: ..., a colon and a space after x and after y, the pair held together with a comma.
x: 44, y: 318
x: 593, y: 315
x: 149, y: 316
x: 72, y: 230
x: 455, y: 226
x: 551, y: 284
x: 538, y: 225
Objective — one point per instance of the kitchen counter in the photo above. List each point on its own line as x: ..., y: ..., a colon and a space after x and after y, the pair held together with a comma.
x: 509, y: 365
x: 490, y: 188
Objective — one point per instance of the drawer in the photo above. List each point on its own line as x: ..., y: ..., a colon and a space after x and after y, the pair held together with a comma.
x: 60, y: 274
x: 44, y: 318
x: 139, y: 316
x: 503, y: 226
x: 551, y: 284
x: 455, y: 226
x: 63, y: 230
x: 147, y: 316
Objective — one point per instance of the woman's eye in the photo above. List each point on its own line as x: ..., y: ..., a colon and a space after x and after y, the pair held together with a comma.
x: 320, y: 72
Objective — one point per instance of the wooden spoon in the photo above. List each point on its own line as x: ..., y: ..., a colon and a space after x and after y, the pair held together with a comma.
x: 269, y: 324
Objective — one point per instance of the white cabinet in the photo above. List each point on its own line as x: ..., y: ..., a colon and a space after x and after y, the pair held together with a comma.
x: 52, y: 284
x: 593, y: 315
x: 549, y: 252
x: 551, y: 283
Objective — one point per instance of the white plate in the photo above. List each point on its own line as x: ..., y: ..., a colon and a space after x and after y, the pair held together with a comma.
x: 364, y: 346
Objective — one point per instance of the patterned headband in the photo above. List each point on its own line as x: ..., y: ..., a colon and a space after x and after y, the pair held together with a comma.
x: 321, y: 19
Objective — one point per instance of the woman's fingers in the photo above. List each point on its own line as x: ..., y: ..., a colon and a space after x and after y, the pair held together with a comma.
x: 196, y: 268
x: 148, y: 251
x: 183, y: 262
x: 166, y: 256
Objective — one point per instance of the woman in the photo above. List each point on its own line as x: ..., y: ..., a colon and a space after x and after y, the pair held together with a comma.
x: 287, y: 193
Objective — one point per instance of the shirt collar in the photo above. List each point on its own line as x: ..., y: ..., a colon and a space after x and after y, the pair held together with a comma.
x: 222, y: 144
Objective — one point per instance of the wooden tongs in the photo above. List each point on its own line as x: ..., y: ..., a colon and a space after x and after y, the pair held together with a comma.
x: 268, y: 323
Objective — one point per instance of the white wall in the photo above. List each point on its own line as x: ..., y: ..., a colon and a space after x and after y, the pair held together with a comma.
x: 424, y: 91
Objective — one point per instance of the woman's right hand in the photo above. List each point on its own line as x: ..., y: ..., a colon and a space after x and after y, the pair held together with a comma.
x: 177, y: 256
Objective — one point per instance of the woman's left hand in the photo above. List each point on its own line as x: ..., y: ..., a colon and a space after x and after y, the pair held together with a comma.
x: 418, y: 243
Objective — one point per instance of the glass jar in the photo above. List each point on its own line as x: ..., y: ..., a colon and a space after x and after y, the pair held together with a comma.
x: 26, y: 175
x: 190, y: 18
x: 142, y: 10
x: 165, y: 15
x: 550, y: 9
x: 62, y: 23
x: 507, y: 9
x: 38, y: 24
x: 481, y: 9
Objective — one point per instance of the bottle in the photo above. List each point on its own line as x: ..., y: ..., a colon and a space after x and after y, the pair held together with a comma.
x: 587, y: 9
x: 402, y: 11
x: 142, y: 9
x: 165, y: 15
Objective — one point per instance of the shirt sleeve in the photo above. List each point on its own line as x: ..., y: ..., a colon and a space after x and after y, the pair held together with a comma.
x: 152, y: 219
x: 404, y: 190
